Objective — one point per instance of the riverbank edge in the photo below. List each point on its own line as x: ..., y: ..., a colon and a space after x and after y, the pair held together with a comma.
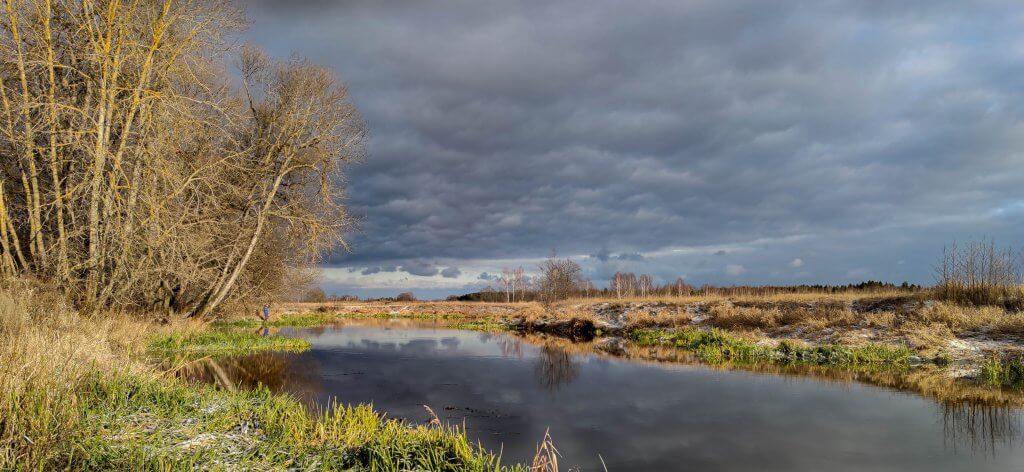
x: 120, y: 407
x: 998, y: 367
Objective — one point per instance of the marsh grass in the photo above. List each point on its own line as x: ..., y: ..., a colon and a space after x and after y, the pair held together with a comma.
x: 149, y: 425
x: 314, y: 319
x: 291, y: 320
x: 223, y: 343
x: 489, y: 326
x: 1003, y: 373
x: 716, y: 346
x: 80, y: 393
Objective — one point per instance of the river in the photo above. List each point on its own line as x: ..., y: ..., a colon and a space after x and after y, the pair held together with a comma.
x: 631, y: 415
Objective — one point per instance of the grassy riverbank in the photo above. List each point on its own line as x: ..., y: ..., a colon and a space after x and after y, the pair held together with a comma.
x: 718, y: 346
x: 221, y: 343
x: 83, y: 393
x: 917, y: 321
x: 982, y: 345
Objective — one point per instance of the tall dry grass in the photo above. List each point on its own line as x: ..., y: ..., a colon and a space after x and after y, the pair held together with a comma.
x: 47, y: 353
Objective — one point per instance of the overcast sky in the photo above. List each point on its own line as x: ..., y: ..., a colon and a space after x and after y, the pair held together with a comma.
x: 729, y: 142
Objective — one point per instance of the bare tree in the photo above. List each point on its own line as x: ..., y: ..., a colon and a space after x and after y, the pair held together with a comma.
x: 681, y: 288
x: 631, y: 284
x: 587, y: 286
x: 616, y: 284
x: 559, y: 279
x: 644, y: 285
x: 518, y: 283
x: 507, y: 283
x: 140, y: 177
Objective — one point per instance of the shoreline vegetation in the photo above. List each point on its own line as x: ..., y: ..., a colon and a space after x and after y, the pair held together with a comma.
x: 91, y: 392
x: 85, y: 392
x: 847, y: 330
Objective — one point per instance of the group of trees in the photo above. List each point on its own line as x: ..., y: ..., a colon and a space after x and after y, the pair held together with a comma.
x: 513, y: 282
x: 979, y: 273
x: 140, y: 172
x: 628, y: 285
x: 558, y: 279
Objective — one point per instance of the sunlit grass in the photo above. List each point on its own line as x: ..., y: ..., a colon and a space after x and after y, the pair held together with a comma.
x: 303, y: 320
x: 136, y: 424
x: 224, y: 343
x: 1003, y: 373
x: 79, y: 393
x: 719, y: 346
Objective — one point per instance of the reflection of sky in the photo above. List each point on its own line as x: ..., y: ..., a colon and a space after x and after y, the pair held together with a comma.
x: 637, y: 416
x: 415, y: 342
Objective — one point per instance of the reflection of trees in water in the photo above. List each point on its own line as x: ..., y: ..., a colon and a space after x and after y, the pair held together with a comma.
x: 511, y: 346
x: 279, y: 372
x: 555, y: 367
x: 979, y: 427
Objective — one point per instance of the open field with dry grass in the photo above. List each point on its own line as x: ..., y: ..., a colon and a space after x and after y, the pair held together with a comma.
x: 928, y: 327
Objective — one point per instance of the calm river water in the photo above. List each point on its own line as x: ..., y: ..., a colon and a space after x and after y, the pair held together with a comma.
x: 637, y: 416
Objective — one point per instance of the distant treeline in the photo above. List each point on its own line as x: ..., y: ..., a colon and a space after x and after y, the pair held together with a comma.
x: 629, y: 285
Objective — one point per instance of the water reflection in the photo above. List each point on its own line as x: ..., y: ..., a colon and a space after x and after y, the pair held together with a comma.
x: 276, y: 371
x: 980, y: 427
x: 555, y: 368
x: 646, y: 408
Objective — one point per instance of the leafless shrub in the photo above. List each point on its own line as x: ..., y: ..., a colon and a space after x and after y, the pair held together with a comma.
x: 979, y: 273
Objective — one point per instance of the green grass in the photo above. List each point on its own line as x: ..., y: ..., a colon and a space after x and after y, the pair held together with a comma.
x: 718, y: 346
x: 1003, y: 373
x: 133, y: 423
x: 223, y: 343
x: 404, y: 315
x: 307, y: 320
x: 304, y: 320
x: 120, y: 420
x: 478, y: 325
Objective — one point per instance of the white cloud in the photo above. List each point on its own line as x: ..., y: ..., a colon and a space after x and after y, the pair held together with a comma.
x: 734, y: 269
x: 798, y: 262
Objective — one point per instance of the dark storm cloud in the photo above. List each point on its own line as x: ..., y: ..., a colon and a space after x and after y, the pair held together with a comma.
x: 420, y: 268
x: 451, y: 272
x: 630, y: 256
x: 378, y: 269
x: 603, y: 255
x: 505, y: 129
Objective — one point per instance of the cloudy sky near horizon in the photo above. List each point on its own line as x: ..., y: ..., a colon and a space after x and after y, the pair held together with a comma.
x: 729, y: 142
